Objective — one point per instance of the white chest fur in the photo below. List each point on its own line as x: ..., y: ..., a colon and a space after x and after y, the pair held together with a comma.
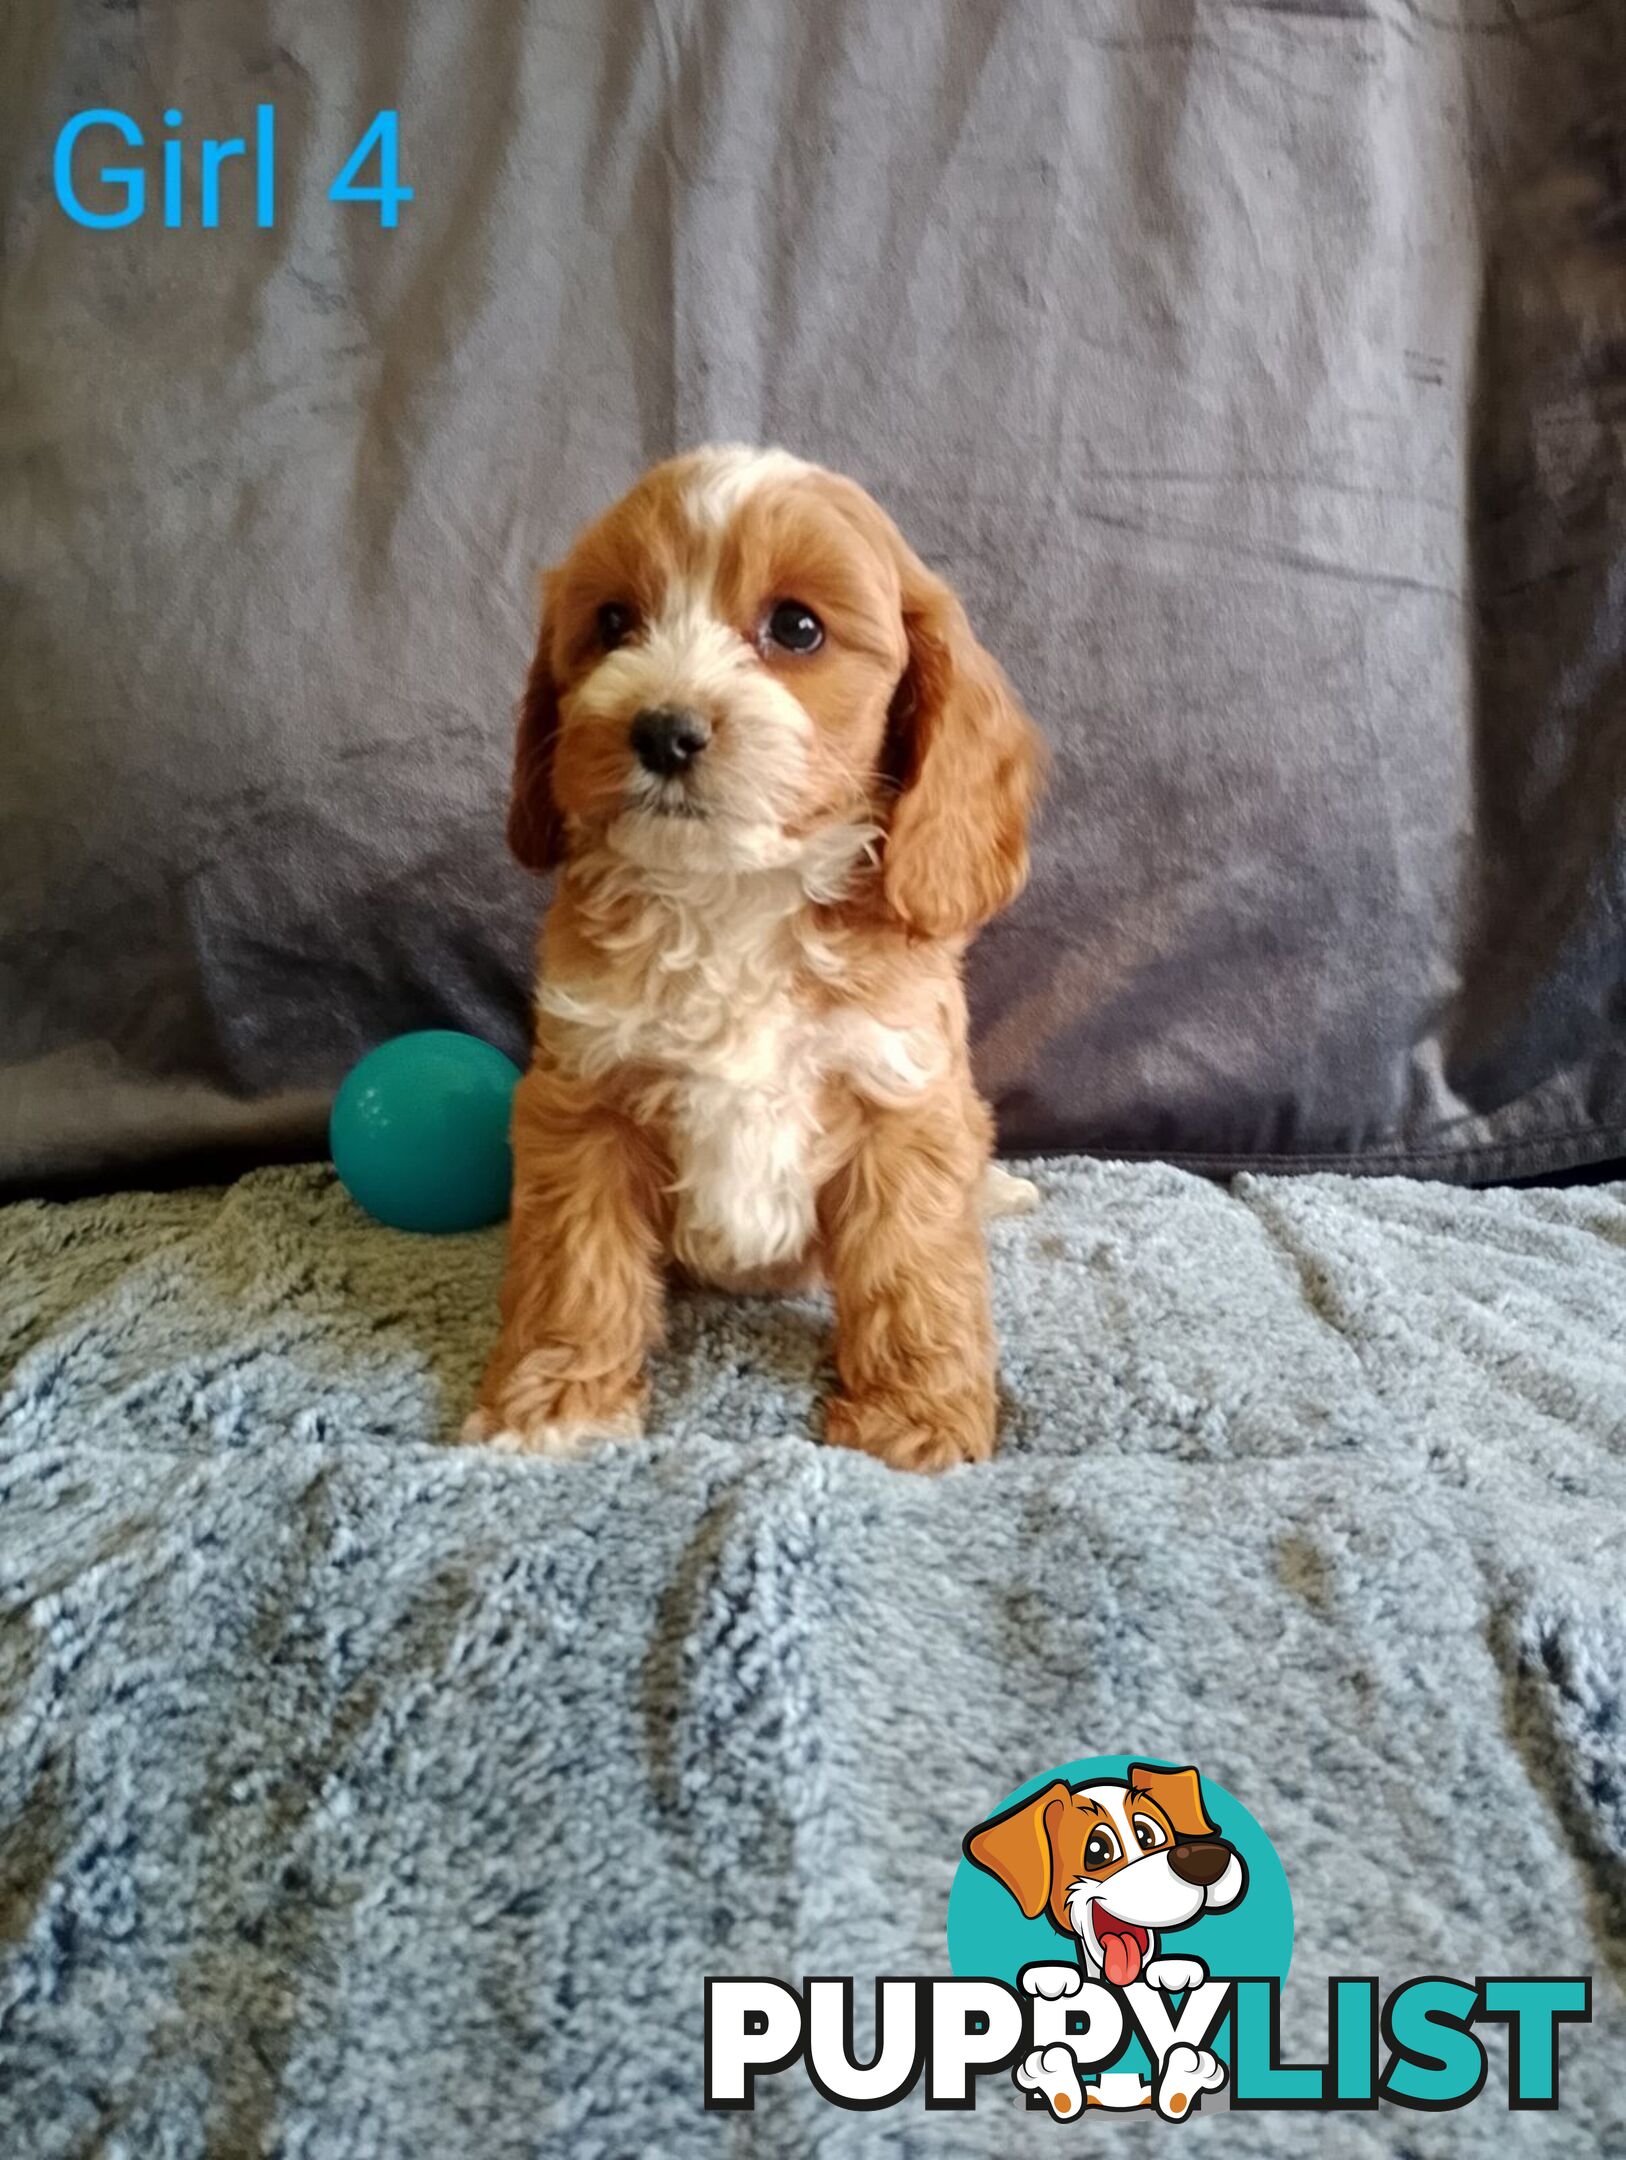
x: 713, y: 994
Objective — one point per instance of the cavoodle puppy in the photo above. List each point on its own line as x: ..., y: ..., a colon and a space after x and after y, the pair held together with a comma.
x: 782, y: 785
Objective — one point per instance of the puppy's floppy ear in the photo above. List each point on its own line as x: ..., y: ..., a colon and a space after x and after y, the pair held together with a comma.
x: 1015, y: 1848
x: 1179, y: 1793
x: 968, y: 761
x: 536, y: 833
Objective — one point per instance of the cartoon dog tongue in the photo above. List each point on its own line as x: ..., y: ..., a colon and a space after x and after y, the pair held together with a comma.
x: 1120, y: 1950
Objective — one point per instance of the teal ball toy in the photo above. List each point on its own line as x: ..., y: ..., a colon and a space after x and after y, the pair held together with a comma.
x: 419, y: 1131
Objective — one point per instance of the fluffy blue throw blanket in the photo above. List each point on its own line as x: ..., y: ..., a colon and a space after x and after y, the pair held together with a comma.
x: 360, y: 1795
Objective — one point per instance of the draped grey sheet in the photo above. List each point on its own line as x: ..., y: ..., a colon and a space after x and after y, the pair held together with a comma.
x: 1258, y: 370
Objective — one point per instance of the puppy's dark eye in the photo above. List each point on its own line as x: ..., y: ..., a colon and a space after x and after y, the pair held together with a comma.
x: 1148, y: 1836
x: 794, y: 628
x: 1101, y: 1850
x: 616, y: 623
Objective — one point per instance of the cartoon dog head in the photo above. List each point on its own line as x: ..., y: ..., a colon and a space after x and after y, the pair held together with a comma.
x: 1113, y: 1863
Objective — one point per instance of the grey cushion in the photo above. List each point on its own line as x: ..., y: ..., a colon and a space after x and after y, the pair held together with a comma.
x: 1256, y: 371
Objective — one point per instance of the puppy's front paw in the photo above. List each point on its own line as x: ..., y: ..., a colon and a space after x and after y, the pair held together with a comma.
x: 562, y: 1438
x: 1051, y: 1983
x: 536, y: 1411
x: 915, y: 1432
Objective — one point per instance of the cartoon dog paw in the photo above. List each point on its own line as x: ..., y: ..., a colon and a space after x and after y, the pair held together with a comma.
x: 1052, y: 1982
x: 1053, y: 2072
x: 1174, y: 1975
x: 1187, y: 2073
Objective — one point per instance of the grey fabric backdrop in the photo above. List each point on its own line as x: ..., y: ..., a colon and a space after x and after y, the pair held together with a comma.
x: 1257, y: 370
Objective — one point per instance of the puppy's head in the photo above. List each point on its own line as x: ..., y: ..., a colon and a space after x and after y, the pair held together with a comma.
x: 744, y: 665
x: 1113, y: 1863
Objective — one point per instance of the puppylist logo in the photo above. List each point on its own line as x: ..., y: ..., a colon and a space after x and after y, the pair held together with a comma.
x: 1118, y: 1933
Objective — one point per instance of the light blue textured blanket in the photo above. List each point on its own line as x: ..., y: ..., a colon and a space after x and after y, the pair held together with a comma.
x: 361, y: 1795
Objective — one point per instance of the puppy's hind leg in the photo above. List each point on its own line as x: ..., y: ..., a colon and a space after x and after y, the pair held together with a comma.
x: 1002, y: 1194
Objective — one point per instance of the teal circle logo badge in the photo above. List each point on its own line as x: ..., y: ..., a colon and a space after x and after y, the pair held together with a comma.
x: 1115, y: 1873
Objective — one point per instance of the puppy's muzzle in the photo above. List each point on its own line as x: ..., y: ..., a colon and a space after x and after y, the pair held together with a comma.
x: 666, y: 739
x: 1201, y: 1862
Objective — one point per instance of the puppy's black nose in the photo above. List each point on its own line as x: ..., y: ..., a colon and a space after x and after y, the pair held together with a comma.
x: 1201, y: 1862
x: 666, y: 738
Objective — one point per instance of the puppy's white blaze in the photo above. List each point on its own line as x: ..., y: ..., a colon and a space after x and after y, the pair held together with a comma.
x: 725, y: 474
x: 686, y: 643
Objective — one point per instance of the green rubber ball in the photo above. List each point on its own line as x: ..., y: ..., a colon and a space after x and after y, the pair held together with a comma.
x: 419, y: 1131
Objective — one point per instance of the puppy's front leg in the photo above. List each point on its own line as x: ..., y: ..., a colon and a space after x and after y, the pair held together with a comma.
x: 581, y: 1297
x: 904, y: 1248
